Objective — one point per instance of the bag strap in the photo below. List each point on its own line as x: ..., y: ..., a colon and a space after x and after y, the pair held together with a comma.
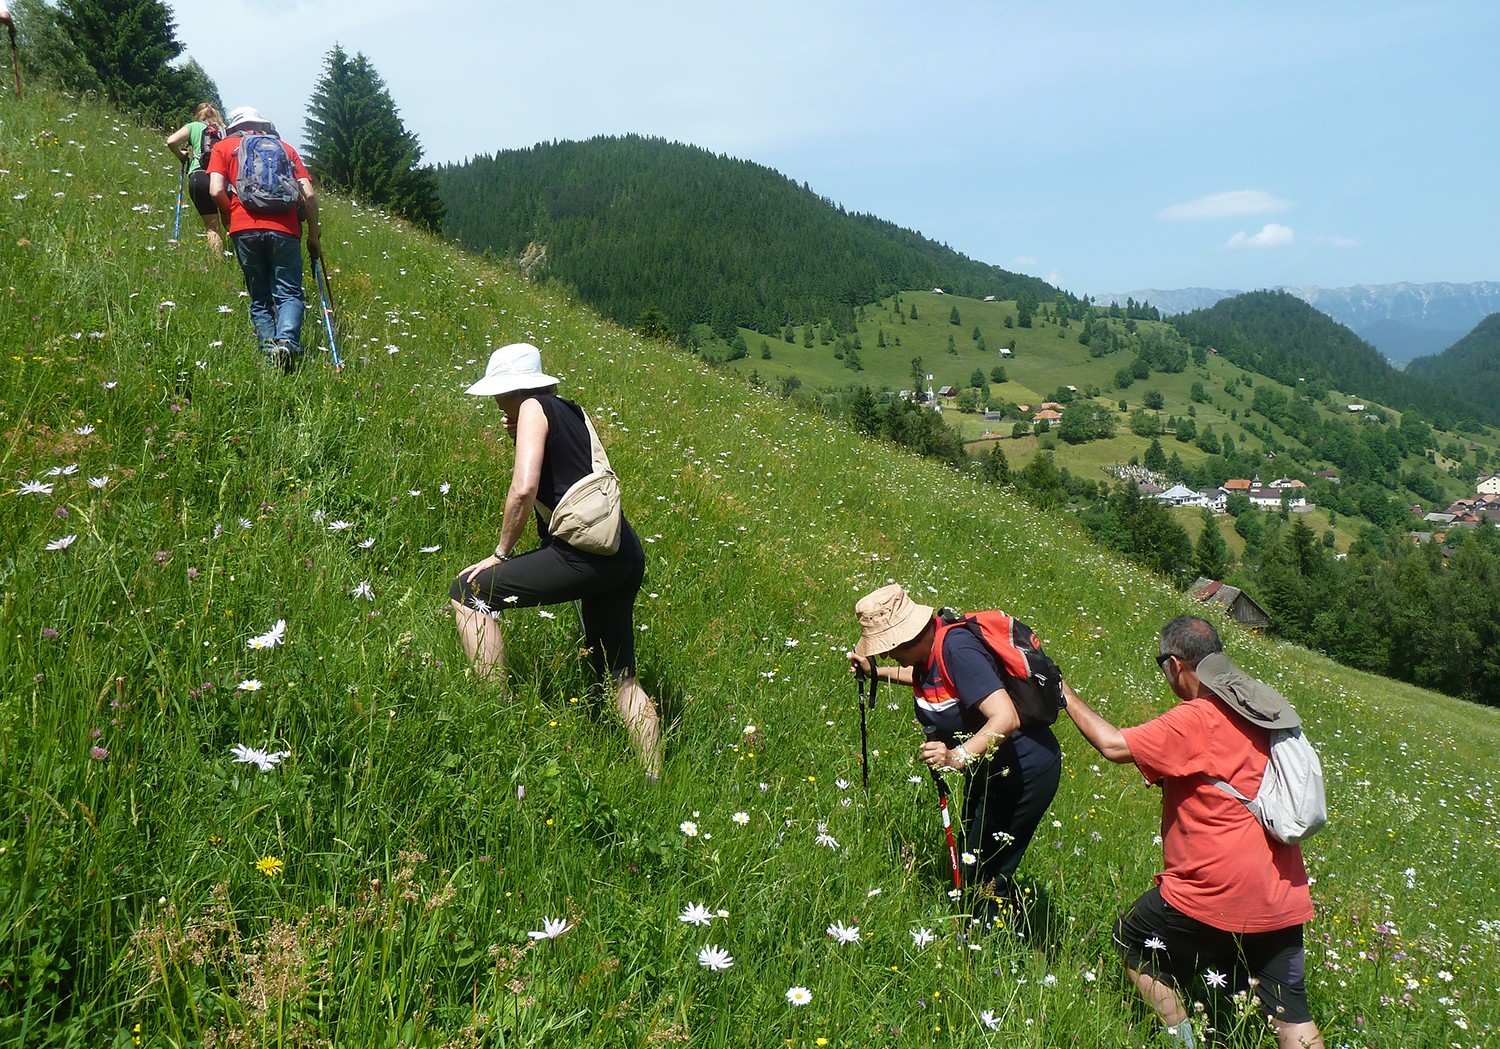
x: 598, y: 460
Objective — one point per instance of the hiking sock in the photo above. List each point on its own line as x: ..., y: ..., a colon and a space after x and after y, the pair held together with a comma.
x: 1182, y: 1034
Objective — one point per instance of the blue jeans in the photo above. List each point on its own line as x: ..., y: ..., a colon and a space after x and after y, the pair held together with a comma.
x: 272, y: 264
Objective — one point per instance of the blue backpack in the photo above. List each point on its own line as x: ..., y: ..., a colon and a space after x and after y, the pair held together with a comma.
x: 267, y: 182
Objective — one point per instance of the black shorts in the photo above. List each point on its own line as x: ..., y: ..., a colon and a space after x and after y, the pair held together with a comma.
x: 1189, y: 950
x: 604, y: 586
x: 197, y: 184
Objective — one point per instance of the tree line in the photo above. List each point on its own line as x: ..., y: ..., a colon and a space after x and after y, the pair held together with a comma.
x: 645, y: 229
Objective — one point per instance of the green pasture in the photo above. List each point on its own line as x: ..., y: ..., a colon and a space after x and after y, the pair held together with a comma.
x: 166, y: 499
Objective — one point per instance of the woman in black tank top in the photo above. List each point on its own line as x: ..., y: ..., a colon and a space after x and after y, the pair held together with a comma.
x: 552, y: 451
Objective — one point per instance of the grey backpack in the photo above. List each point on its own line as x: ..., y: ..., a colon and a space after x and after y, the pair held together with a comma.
x: 1291, y: 804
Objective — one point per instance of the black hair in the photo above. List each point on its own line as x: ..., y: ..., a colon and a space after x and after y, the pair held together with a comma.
x: 1190, y: 638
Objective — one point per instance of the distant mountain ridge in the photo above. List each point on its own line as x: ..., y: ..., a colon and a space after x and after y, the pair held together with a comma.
x: 1403, y: 321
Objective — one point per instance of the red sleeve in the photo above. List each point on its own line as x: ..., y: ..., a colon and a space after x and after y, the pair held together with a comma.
x: 1170, y: 745
x: 297, y: 166
x: 220, y: 158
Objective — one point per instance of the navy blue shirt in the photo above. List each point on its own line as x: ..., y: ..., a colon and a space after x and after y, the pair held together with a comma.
x: 975, y: 675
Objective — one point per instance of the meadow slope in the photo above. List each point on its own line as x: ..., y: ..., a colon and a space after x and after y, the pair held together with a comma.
x: 377, y: 887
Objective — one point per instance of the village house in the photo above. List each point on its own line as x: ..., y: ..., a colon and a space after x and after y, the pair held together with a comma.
x: 1489, y: 485
x: 1240, y: 606
x: 1050, y: 415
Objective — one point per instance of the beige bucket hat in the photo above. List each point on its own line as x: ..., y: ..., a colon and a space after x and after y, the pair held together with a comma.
x: 888, y: 618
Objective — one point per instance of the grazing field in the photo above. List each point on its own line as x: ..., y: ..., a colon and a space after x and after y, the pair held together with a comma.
x: 201, y: 555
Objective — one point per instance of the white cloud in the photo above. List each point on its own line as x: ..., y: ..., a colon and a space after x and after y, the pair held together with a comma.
x: 1337, y: 241
x: 1272, y: 235
x: 1226, y: 205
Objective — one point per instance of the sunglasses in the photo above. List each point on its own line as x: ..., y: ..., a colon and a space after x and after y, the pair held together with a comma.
x: 1161, y: 660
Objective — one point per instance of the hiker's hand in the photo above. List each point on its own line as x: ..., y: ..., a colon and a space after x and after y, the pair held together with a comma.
x: 314, y: 247
x: 861, y: 665
x: 935, y: 755
x: 477, y: 567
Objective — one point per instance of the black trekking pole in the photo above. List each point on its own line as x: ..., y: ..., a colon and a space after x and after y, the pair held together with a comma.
x: 15, y: 59
x: 942, y: 789
x: 320, y: 271
x: 864, y: 732
x: 177, y: 223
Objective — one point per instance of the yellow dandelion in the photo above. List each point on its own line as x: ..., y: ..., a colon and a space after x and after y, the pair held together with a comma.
x: 270, y: 866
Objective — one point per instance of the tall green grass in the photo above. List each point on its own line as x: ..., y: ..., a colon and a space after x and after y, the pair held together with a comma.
x: 377, y: 887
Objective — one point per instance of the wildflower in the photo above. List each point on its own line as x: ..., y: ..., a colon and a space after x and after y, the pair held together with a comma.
x: 63, y: 543
x: 551, y: 929
x: 445, y: 488
x: 250, y: 684
x: 921, y: 938
x: 261, y: 759
x: 34, y: 488
x: 245, y: 523
x: 841, y: 784
x: 429, y: 549
x: 365, y: 544
x: 48, y: 633
x: 63, y: 471
x: 363, y: 590
x: 990, y: 1020
x: 99, y: 482
x: 828, y: 841
x: 689, y: 828
x: 85, y: 430
x: 798, y: 996
x: 695, y: 914
x: 969, y: 859
x: 1156, y: 944
x: 546, y: 614
x: 714, y: 959
x: 1050, y: 980
x: 270, y: 866
x: 98, y: 753
x: 842, y: 933
x: 1215, y: 979
x: 271, y: 638
x: 340, y: 526
x: 741, y: 818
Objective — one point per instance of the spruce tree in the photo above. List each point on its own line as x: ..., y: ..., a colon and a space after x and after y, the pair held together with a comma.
x: 358, y: 144
x: 130, y: 46
x: 1211, y: 554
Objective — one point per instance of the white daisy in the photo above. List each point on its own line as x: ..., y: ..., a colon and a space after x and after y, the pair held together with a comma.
x: 842, y: 933
x: 714, y: 959
x: 365, y: 544
x: 99, y: 482
x: 63, y: 543
x: 34, y: 488
x: 261, y: 759
x: 271, y: 638
x: 741, y: 818
x: 429, y: 549
x: 363, y: 590
x: 696, y: 914
x: 251, y: 684
x: 921, y: 938
x: 798, y: 996
x: 990, y: 1020
x: 551, y: 929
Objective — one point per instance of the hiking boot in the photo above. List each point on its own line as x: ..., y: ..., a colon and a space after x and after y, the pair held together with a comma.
x: 282, y: 356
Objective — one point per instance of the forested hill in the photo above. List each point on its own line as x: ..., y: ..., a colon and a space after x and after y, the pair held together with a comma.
x: 1277, y: 334
x: 1471, y: 364
x: 635, y: 224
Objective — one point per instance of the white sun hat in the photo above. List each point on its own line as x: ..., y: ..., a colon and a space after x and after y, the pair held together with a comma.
x: 517, y: 366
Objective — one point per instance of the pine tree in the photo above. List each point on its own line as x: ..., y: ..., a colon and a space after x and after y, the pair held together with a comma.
x: 130, y: 45
x: 358, y: 144
x: 1211, y: 554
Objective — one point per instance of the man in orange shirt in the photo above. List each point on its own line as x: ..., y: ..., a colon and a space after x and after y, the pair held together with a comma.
x: 266, y: 227
x: 1230, y: 903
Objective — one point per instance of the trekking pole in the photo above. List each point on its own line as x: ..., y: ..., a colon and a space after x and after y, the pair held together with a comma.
x: 942, y: 789
x: 320, y: 271
x: 177, y: 223
x: 15, y: 59
x: 864, y: 734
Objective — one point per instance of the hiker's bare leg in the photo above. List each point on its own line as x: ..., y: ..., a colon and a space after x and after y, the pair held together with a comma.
x: 642, y: 722
x: 482, y: 642
x: 214, y: 233
x: 1162, y: 997
x: 1298, y: 1036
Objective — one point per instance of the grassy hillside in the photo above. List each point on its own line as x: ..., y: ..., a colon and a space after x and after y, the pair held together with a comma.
x: 377, y: 887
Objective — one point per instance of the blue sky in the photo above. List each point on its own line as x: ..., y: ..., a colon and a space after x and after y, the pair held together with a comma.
x: 1101, y: 146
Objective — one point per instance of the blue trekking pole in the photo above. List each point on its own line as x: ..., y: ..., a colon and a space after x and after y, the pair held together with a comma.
x: 320, y: 271
x: 181, y: 178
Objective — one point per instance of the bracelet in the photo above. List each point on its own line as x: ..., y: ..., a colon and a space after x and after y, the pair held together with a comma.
x: 501, y: 555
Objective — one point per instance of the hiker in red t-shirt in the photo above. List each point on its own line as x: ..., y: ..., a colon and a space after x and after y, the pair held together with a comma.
x: 267, y: 244
x: 1231, y: 901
